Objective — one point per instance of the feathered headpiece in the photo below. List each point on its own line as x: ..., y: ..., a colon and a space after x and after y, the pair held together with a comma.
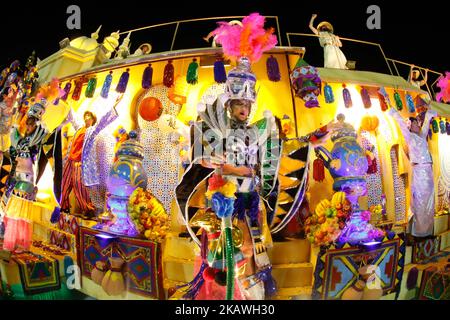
x: 247, y: 39
x: 244, y: 42
x: 444, y: 85
x: 46, y: 93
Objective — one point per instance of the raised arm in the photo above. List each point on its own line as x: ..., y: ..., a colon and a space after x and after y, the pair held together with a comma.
x: 311, y: 24
x: 108, y: 118
x: 426, y: 123
x: 401, y: 123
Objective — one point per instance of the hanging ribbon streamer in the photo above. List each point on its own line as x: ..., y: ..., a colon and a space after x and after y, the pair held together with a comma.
x: 347, y: 97
x: 366, y: 98
x: 77, y: 91
x: 273, y: 69
x: 192, y: 72
x: 147, y: 77
x: 435, y: 126
x: 123, y: 82
x: 328, y: 92
x: 106, y: 85
x: 67, y: 88
x: 410, y: 103
x: 398, y: 101
x: 442, y: 126
x: 90, y: 88
x: 220, y: 75
x: 169, y: 71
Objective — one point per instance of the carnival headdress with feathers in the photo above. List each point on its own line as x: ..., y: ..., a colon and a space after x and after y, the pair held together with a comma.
x: 45, y: 94
x: 244, y: 42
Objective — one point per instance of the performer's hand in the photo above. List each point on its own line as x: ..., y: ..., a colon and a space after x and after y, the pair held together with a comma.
x: 314, y: 16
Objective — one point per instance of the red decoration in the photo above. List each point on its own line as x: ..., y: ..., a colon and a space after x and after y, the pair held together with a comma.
x: 318, y: 170
x: 383, y: 103
x: 150, y: 109
x: 209, y: 274
x: 373, y: 168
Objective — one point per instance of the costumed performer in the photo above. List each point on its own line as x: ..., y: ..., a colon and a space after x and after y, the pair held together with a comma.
x: 81, y: 168
x: 422, y: 184
x: 25, y: 153
x: 230, y: 152
x: 332, y: 54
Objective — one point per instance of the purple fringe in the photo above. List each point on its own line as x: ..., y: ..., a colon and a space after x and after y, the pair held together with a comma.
x: 347, y: 98
x: 55, y: 215
x: 366, y: 98
x: 123, y: 82
x: 147, y: 77
x: 220, y: 75
x: 273, y: 70
x: 242, y: 207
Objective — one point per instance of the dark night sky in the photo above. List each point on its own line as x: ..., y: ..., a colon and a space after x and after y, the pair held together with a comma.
x: 408, y: 32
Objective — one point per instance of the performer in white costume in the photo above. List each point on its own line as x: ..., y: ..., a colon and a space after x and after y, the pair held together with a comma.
x: 333, y: 56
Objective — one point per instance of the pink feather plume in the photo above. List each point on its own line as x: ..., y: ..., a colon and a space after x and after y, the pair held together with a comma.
x: 250, y: 40
x: 444, y: 84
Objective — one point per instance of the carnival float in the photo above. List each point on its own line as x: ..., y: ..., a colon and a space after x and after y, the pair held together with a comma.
x: 237, y: 171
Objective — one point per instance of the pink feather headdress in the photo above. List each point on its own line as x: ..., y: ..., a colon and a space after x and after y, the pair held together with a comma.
x: 444, y: 85
x: 247, y: 40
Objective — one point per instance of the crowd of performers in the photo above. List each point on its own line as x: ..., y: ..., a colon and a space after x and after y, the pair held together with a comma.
x: 238, y: 183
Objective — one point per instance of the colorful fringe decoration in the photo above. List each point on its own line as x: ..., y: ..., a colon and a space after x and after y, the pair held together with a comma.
x: 192, y: 72
x: 220, y: 75
x: 169, y: 77
x: 435, y: 126
x: 106, y: 86
x: 90, y: 88
x: 318, y: 170
x: 447, y: 127
x: 383, y: 98
x: 123, y: 82
x: 444, y: 85
x: 247, y: 40
x: 328, y: 92
x: 347, y: 97
x: 147, y: 77
x: 398, y: 101
x: 366, y: 98
x: 442, y: 126
x: 77, y: 91
x: 273, y: 69
x: 67, y: 88
x: 410, y: 103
